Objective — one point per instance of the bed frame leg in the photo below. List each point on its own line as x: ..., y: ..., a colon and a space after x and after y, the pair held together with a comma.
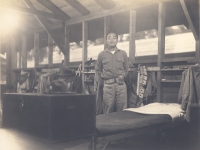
x: 93, y: 143
x: 105, y: 145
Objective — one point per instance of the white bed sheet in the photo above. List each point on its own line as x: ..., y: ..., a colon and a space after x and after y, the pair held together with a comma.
x: 172, y: 109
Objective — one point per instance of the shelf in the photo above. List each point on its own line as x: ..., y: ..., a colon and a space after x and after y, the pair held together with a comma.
x: 172, y: 69
x: 92, y: 66
x: 25, y: 69
x: 144, y: 61
x: 171, y: 81
x: 89, y: 81
x: 182, y: 59
x: 88, y: 72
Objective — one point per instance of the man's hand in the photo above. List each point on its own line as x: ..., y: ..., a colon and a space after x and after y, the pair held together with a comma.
x: 121, y: 79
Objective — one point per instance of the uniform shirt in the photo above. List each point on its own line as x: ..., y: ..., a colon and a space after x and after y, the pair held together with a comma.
x: 110, y: 65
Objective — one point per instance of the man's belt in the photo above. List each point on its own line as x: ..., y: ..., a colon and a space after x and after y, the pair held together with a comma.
x: 110, y: 81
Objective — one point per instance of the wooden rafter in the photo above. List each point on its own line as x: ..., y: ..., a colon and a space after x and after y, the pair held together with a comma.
x: 32, y: 12
x: 58, y: 40
x: 53, y: 8
x: 116, y: 10
x: 32, y: 7
x: 106, y: 4
x: 78, y: 7
x: 190, y: 19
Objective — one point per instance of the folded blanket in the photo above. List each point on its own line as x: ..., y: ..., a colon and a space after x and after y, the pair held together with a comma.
x: 172, y: 109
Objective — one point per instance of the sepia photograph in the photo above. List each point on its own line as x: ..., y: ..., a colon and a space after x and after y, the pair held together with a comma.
x: 100, y: 74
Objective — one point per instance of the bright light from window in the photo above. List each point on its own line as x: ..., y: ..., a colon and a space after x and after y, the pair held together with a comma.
x: 9, y: 21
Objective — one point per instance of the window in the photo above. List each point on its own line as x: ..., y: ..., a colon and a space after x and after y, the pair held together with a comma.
x: 146, y: 43
x: 179, y: 39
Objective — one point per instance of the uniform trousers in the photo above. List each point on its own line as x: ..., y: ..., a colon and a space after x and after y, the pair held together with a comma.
x: 114, y: 97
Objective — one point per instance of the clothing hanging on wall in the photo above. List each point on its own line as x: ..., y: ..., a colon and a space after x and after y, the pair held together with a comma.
x: 25, y: 81
x: 149, y: 92
x: 189, y: 89
x: 76, y: 83
x: 45, y: 80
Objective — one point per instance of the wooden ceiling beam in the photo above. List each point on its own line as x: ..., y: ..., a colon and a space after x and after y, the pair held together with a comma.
x: 106, y: 4
x: 78, y: 7
x: 58, y: 40
x: 53, y: 8
x: 32, y: 7
x: 190, y: 18
x: 100, y: 14
x: 116, y: 10
x: 32, y: 12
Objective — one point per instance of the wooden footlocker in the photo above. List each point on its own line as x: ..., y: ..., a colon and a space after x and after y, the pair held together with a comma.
x: 53, y: 117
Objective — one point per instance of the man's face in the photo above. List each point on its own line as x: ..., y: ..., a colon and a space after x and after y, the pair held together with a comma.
x: 112, y: 40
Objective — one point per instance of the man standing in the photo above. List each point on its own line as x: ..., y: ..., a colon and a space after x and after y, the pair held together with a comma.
x: 112, y: 68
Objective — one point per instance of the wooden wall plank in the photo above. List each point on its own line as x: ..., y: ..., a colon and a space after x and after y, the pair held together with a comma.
x: 24, y: 51
x: 132, y: 33
x: 50, y: 54
x: 161, y: 48
x: 36, y: 49
x: 107, y: 28
x: 85, y: 51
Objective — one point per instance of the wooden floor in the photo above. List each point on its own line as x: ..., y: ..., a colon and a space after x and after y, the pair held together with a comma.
x: 11, y: 139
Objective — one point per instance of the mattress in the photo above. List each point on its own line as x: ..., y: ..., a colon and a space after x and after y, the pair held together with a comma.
x: 122, y: 121
x: 131, y: 119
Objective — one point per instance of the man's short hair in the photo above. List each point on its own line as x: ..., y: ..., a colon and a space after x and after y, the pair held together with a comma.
x: 111, y: 31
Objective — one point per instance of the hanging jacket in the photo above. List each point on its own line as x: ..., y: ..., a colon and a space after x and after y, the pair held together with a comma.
x: 190, y: 91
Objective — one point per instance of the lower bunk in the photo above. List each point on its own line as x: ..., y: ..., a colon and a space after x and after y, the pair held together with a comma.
x: 151, y: 119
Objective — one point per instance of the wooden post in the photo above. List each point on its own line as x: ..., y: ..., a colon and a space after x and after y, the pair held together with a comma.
x: 107, y: 27
x: 14, y: 64
x: 8, y: 66
x: 14, y: 54
x: 19, y: 56
x: 24, y: 52
x: 197, y: 52
x: 198, y: 42
x: 84, y: 52
x: 50, y: 55
x: 36, y: 48
x: 67, y: 46
x: 161, y: 48
x: 132, y: 32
